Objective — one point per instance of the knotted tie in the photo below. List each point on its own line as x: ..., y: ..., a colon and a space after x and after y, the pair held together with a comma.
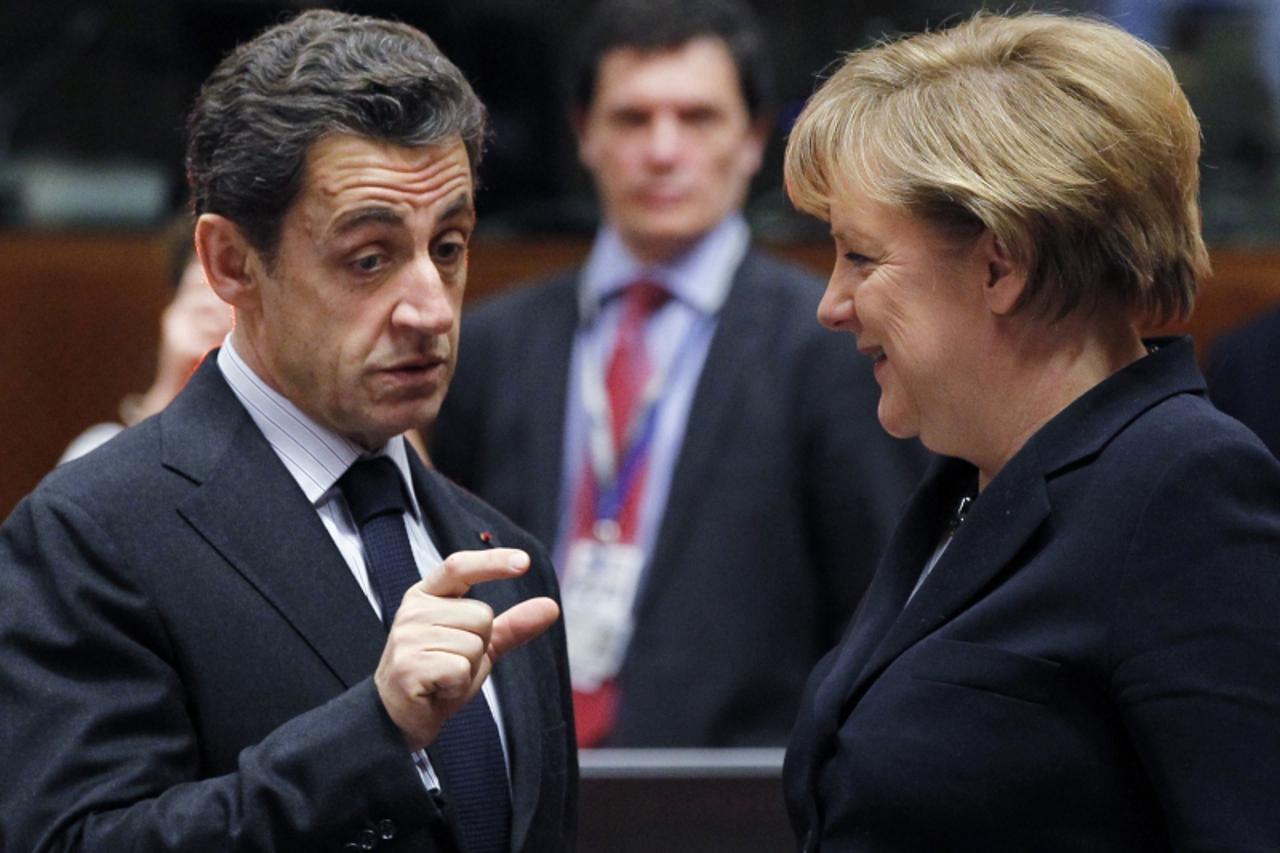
x: 626, y: 375
x: 467, y: 750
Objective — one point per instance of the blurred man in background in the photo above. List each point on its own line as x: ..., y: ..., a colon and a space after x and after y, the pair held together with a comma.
x: 660, y: 417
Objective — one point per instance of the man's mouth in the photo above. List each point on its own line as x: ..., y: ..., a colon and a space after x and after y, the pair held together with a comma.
x: 413, y: 368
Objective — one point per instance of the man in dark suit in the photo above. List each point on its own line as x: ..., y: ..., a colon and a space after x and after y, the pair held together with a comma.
x: 714, y: 532
x: 231, y: 627
x: 1242, y: 370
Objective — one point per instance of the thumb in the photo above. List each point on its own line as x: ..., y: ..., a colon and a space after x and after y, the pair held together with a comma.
x: 520, y: 624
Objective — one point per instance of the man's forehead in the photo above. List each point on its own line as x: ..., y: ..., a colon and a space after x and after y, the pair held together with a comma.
x: 337, y: 159
x: 708, y: 54
x: 345, y: 173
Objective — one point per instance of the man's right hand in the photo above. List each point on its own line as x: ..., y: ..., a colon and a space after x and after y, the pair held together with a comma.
x: 443, y: 646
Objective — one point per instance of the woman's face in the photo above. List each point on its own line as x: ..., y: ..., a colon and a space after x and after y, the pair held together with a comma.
x: 913, y: 298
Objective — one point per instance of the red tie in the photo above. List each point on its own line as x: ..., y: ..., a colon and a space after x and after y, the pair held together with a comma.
x: 625, y: 379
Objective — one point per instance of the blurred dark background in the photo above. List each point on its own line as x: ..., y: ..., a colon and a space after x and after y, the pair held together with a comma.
x: 93, y: 94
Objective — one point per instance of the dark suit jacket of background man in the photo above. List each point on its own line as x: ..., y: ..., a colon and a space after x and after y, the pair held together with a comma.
x: 1093, y: 662
x: 1244, y: 377
x: 783, y: 493
x: 186, y: 660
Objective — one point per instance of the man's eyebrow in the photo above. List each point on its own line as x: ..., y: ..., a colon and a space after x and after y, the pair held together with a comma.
x: 460, y: 206
x: 353, y: 219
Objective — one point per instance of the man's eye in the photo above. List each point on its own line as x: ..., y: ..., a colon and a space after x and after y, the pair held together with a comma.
x: 629, y: 119
x: 450, y: 253
x: 856, y: 258
x: 369, y: 263
x: 701, y: 117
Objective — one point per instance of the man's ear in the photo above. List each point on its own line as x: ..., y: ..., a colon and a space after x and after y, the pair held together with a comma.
x: 754, y: 145
x: 1005, y: 280
x: 231, y: 266
x: 579, y: 120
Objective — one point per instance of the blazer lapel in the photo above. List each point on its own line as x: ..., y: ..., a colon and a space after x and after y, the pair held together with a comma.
x: 909, y: 548
x: 251, y: 511
x: 1006, y: 515
x: 455, y: 529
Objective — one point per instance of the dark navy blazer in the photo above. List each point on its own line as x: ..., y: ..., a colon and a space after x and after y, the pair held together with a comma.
x: 1093, y: 664
x: 186, y: 660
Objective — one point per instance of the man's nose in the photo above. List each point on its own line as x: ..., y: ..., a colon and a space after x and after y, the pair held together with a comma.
x: 662, y: 143
x: 424, y: 304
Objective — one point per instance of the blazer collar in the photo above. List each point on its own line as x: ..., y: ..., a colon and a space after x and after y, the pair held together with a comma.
x: 1089, y: 423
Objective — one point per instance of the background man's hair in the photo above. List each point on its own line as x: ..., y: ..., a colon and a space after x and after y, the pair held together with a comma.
x: 655, y: 25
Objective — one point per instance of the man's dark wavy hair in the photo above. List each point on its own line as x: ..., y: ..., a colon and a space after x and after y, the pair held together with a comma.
x: 319, y: 73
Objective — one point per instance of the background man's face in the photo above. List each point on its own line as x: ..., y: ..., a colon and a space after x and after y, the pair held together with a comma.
x: 357, y: 320
x: 670, y: 144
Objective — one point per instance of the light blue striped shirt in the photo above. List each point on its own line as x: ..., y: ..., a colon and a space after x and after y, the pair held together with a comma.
x: 317, y: 457
x: 699, y: 282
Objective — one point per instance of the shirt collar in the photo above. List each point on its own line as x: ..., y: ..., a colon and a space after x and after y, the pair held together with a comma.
x: 700, y: 277
x: 314, y: 455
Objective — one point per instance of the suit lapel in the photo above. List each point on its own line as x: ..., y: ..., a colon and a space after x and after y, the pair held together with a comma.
x: 455, y: 529
x: 545, y: 388
x: 742, y: 327
x: 251, y: 511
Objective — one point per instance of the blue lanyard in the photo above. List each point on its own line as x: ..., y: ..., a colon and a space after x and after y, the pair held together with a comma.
x: 609, y: 500
x: 614, y: 479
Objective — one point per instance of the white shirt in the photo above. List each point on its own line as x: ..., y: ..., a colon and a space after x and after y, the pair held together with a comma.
x: 317, y: 457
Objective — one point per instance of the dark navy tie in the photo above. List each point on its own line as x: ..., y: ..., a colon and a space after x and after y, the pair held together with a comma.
x: 467, y: 751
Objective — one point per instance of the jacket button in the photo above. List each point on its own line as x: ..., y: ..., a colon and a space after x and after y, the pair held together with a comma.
x: 368, y: 839
x: 386, y: 829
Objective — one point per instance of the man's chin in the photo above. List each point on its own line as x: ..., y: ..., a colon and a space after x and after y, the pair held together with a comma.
x: 394, y: 420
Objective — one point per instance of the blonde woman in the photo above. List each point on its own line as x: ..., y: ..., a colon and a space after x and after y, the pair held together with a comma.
x: 1072, y: 641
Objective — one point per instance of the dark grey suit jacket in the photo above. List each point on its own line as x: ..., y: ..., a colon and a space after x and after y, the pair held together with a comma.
x: 1092, y: 665
x: 186, y: 660
x: 782, y: 496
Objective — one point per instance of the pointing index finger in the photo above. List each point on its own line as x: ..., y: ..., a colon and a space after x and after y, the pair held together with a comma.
x: 462, y: 570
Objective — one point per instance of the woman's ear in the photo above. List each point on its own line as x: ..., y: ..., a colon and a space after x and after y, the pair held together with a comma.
x: 229, y: 262
x: 1006, y: 279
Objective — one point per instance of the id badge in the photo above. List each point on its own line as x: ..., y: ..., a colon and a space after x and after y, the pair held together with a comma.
x: 597, y: 592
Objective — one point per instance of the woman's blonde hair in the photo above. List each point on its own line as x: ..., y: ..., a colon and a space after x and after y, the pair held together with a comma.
x: 1066, y: 137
